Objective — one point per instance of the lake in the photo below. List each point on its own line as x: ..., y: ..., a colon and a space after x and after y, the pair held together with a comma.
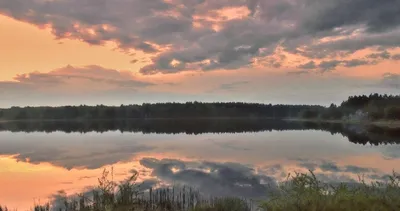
x: 218, y: 157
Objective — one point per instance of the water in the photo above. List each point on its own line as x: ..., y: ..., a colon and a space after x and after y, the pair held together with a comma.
x: 222, y: 158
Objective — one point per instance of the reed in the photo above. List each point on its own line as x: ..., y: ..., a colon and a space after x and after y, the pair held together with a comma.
x: 305, y: 192
x: 113, y: 196
x: 300, y: 192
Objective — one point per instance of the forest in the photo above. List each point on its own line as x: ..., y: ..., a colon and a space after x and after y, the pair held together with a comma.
x: 355, y: 133
x: 156, y: 111
x: 373, y: 107
x: 369, y: 108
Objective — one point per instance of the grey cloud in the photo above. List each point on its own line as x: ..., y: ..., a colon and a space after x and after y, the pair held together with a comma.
x: 69, y: 152
x: 329, y: 65
x: 376, y: 15
x: 147, y: 184
x: 355, y: 62
x: 221, y: 179
x: 39, y: 78
x: 234, y: 179
x: 332, y: 167
x: 380, y: 177
x: 169, y: 28
x: 89, y: 85
x: 231, y: 48
x: 382, y: 55
x: 309, y: 65
x: 333, y: 64
x: 357, y: 170
x: 89, y: 160
x: 63, y: 15
x: 385, y: 40
x: 92, y: 73
x: 329, y: 166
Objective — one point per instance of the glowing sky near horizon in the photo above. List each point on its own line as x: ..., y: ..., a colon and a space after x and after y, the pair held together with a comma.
x: 134, y: 51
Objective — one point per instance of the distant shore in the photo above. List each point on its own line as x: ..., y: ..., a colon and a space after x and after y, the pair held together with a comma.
x: 380, y: 123
x: 138, y: 119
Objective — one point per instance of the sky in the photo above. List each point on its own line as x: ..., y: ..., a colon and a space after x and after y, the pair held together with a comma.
x: 112, y: 52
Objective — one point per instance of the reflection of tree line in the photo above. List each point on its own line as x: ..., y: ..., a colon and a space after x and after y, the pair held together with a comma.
x: 167, y: 126
x: 359, y: 134
x: 355, y: 133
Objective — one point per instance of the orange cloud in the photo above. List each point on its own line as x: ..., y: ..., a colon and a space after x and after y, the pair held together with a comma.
x: 78, y: 78
x: 208, y: 35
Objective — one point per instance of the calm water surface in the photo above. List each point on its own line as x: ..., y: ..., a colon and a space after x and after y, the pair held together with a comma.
x: 36, y: 165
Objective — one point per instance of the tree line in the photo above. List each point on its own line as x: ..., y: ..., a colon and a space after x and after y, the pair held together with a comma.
x: 157, y: 110
x: 373, y: 107
x: 358, y: 134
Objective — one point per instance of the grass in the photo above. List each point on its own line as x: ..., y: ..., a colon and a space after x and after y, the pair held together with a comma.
x: 301, y: 192
x: 126, y: 195
x: 305, y: 192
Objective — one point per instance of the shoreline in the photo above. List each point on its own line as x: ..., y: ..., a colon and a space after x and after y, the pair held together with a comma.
x: 380, y: 123
x: 393, y: 124
x: 137, y: 119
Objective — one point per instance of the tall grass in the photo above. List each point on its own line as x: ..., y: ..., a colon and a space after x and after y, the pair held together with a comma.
x: 305, y: 192
x: 112, y: 196
x: 301, y: 192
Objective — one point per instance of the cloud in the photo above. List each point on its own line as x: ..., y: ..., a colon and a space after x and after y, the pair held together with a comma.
x: 235, y: 179
x: 309, y: 65
x: 331, y: 167
x: 329, y: 65
x: 333, y: 64
x: 90, y: 84
x: 357, y: 170
x: 356, y: 62
x: 381, y: 55
x: 69, y: 80
x: 91, y: 73
x: 220, y: 179
x: 201, y: 35
x: 377, y: 16
x: 38, y: 78
x: 70, y: 153
x: 100, y: 74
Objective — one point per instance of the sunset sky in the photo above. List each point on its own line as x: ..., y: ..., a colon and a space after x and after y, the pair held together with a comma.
x: 58, y: 52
